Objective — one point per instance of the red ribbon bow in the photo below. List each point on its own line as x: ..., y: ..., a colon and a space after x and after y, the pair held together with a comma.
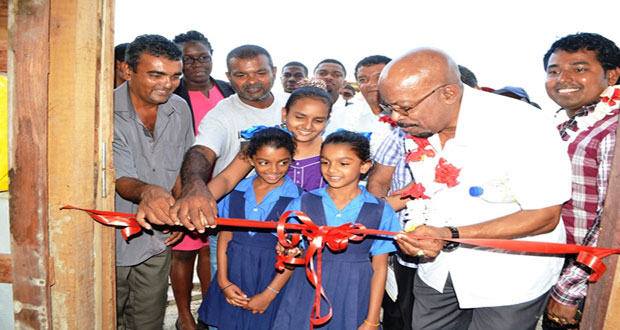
x: 336, y: 238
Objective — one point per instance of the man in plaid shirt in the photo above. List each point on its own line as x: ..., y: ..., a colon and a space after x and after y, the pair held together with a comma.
x: 390, y: 174
x: 579, y: 68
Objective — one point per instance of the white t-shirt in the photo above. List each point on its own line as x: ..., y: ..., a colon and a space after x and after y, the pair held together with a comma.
x: 219, y: 129
x: 339, y: 105
x: 360, y: 118
x: 496, y: 138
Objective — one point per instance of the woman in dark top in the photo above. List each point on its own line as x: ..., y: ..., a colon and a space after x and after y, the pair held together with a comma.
x: 202, y: 93
x: 197, y: 87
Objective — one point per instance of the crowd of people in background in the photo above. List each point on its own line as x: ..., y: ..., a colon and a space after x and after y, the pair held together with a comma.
x: 403, y: 155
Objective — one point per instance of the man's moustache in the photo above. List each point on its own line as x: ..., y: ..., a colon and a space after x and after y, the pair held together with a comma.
x: 260, y: 86
x: 404, y: 125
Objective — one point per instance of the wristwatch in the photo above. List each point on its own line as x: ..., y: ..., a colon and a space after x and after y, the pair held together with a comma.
x: 451, y: 246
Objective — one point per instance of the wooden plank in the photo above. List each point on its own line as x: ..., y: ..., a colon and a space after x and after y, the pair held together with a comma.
x: 5, y: 268
x: 29, y: 66
x: 4, y: 33
x: 105, y: 292
x: 602, y: 309
x: 80, y: 85
x: 612, y: 316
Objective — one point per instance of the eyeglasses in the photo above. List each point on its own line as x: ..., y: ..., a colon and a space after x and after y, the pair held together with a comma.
x: 405, y: 110
x: 202, y: 59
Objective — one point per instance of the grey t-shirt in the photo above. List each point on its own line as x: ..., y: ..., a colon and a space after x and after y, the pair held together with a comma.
x: 155, y: 159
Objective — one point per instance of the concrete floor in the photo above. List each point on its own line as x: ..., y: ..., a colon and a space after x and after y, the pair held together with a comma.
x: 171, y: 311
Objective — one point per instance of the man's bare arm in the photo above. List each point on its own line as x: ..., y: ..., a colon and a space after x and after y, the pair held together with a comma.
x: 379, y: 183
x: 379, y: 180
x: 228, y: 179
x: 196, y: 207
x: 153, y: 201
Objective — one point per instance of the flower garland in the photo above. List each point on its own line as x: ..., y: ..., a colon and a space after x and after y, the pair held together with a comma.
x: 611, y: 99
x: 445, y: 172
x: 604, y: 108
x: 381, y: 130
x: 389, y: 120
x: 419, y: 210
x: 416, y: 192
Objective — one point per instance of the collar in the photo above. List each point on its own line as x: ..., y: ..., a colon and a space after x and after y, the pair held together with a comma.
x: 127, y: 109
x: 365, y: 196
x: 288, y: 188
x: 468, y: 118
x: 583, y: 111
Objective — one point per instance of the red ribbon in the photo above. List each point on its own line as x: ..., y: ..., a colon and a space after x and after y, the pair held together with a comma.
x: 337, y: 238
x: 116, y: 219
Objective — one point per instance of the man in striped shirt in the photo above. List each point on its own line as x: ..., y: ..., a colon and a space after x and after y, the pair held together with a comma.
x: 580, y: 67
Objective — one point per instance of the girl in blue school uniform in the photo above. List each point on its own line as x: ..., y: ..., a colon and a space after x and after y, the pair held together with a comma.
x: 353, y: 279
x: 248, y: 288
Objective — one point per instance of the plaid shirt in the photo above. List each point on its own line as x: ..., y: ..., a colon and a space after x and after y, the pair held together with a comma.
x: 392, y: 153
x: 591, y: 155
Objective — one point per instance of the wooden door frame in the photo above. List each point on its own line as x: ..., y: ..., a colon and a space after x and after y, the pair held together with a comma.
x: 55, y: 281
x: 60, y: 110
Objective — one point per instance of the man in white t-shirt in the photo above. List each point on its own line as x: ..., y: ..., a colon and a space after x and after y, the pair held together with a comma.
x: 251, y: 74
x: 347, y: 94
x: 333, y: 73
x: 465, y: 138
x: 292, y: 75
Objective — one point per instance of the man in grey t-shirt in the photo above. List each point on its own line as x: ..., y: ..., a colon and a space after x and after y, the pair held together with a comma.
x: 152, y: 131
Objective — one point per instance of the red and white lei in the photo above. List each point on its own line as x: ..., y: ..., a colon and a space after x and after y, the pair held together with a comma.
x: 610, y: 101
x: 445, y: 174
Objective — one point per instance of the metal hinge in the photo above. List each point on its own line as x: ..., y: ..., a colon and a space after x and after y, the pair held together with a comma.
x: 104, y: 167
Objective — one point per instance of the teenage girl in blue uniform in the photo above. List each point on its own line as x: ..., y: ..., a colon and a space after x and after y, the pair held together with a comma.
x: 248, y: 288
x: 353, y: 279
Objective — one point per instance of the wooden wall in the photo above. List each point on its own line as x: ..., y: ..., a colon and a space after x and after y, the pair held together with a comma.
x: 80, y: 94
x: 28, y: 204
x: 61, y: 62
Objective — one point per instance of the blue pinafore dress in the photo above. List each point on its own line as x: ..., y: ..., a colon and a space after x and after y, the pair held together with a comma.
x: 346, y: 277
x: 251, y: 266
